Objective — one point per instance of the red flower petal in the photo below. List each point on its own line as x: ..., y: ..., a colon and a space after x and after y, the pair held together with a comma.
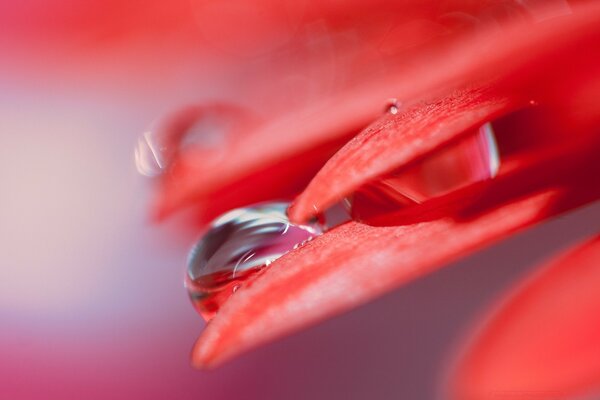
x: 395, y: 141
x: 354, y: 263
x: 335, y: 116
x: 556, y: 64
x: 544, y: 339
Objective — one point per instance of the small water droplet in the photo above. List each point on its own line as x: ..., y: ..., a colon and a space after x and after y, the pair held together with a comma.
x: 237, y: 246
x: 472, y: 159
x: 533, y: 103
x: 393, y: 106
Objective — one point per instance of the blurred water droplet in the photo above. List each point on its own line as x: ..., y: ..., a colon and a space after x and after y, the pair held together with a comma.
x: 392, y: 106
x: 472, y: 159
x: 237, y: 246
x: 204, y: 126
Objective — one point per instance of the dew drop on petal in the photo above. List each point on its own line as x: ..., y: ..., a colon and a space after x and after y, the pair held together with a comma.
x: 392, y: 106
x: 473, y: 159
x: 237, y: 246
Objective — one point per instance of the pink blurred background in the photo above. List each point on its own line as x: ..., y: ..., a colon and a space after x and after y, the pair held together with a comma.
x: 92, y: 303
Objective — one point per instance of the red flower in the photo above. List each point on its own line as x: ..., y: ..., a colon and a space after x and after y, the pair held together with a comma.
x: 537, y: 76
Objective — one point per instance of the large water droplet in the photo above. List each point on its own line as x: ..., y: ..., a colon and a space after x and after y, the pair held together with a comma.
x: 472, y: 159
x: 237, y: 246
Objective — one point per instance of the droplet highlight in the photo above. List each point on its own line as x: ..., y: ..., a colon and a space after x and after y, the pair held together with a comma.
x: 392, y: 106
x: 237, y: 246
x: 149, y: 155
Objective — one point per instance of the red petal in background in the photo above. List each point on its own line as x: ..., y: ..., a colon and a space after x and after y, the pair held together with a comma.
x: 544, y: 338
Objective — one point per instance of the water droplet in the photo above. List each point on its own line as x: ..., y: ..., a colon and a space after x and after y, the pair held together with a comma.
x: 533, y: 103
x: 237, y: 246
x: 205, y: 126
x: 393, y: 106
x: 472, y: 159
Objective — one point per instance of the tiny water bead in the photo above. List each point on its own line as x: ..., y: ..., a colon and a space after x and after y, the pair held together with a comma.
x: 236, y: 247
x: 393, y: 106
x: 473, y: 159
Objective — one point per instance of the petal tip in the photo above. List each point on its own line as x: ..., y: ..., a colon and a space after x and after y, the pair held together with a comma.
x: 299, y: 213
x: 202, y: 357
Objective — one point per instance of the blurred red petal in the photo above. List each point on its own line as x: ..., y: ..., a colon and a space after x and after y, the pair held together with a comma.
x: 544, y: 339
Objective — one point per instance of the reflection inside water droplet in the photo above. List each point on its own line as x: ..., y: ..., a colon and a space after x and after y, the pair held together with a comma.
x: 237, y: 246
x: 472, y: 159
